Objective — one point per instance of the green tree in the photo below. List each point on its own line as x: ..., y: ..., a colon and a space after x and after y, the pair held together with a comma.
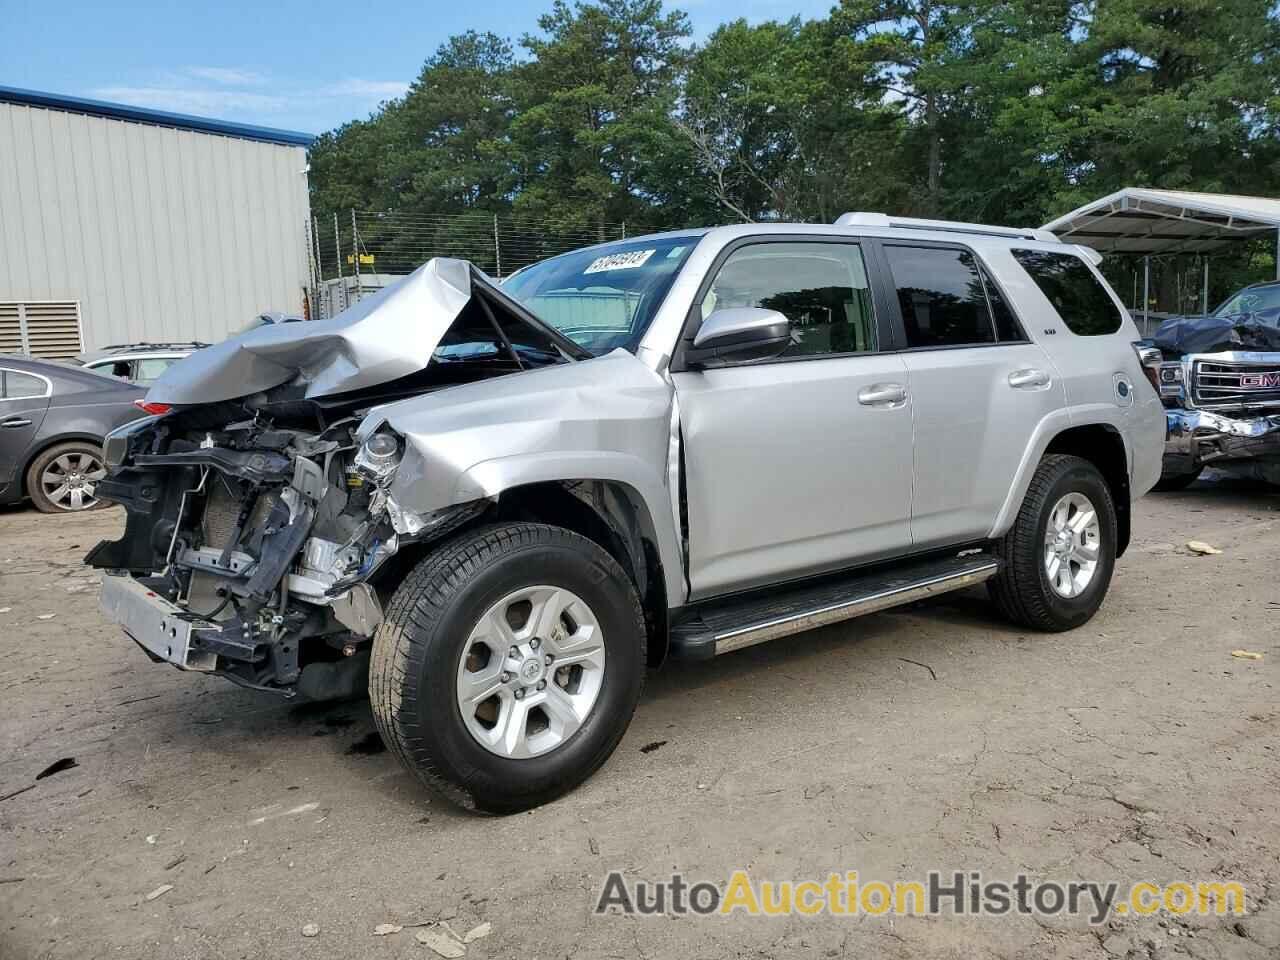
x: 595, y: 101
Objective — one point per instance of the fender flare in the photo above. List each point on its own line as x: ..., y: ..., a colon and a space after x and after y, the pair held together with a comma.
x: 1053, y: 424
x: 489, y: 478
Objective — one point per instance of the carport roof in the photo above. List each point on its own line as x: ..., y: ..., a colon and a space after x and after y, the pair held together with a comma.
x: 1140, y: 221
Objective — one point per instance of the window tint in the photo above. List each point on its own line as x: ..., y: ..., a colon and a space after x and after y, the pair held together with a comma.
x: 820, y: 287
x: 1007, y: 326
x: 1081, y: 301
x: 941, y: 296
x: 18, y: 385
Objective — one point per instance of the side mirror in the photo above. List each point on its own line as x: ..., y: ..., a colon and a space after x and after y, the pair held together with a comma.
x: 738, y: 334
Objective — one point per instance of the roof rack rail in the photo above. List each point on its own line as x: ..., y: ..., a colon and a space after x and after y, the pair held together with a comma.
x: 863, y: 219
x: 150, y: 345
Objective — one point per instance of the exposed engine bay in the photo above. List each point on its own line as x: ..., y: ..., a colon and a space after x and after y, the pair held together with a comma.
x: 258, y: 526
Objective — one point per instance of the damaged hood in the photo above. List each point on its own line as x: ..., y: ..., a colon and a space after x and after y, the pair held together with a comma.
x: 1179, y: 336
x: 380, y: 338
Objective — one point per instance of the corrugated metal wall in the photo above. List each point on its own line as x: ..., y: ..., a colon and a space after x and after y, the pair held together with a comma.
x: 161, y: 234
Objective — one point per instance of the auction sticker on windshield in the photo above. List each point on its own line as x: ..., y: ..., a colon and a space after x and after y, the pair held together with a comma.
x: 620, y: 261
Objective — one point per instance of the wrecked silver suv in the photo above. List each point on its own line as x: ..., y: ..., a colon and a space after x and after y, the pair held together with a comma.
x: 494, y: 506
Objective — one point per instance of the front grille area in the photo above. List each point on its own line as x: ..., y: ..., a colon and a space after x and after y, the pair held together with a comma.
x: 1223, y: 383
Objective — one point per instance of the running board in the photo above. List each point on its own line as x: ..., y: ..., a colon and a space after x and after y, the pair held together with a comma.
x: 717, y: 627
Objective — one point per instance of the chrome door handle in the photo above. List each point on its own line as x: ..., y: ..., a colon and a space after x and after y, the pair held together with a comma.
x: 15, y: 422
x: 883, y: 395
x: 1028, y: 379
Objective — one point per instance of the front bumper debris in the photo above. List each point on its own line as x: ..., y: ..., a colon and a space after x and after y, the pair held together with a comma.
x: 1199, y: 438
x: 163, y: 629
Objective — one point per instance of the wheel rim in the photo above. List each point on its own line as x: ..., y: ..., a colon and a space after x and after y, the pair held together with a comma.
x: 530, y: 672
x: 69, y: 481
x: 1072, y: 544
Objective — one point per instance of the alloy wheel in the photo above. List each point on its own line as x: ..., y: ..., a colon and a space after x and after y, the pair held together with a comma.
x: 69, y: 481
x: 530, y: 672
x: 1071, y: 545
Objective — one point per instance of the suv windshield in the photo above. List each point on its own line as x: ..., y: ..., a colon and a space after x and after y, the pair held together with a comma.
x: 604, y: 297
x: 1251, y: 300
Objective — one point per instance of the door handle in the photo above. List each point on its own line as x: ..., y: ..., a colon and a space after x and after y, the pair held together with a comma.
x: 15, y: 422
x: 883, y: 395
x: 1029, y: 379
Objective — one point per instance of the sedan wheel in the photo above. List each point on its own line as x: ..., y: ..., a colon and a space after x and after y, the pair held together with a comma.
x: 64, y: 478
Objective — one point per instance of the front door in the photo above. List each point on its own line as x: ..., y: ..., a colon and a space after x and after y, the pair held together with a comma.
x: 802, y: 463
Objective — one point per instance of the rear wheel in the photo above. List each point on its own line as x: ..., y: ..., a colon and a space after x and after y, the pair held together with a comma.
x: 63, y: 479
x: 508, y: 665
x: 1058, y: 558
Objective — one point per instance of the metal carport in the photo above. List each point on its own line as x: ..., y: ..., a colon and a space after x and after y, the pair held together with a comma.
x: 1139, y: 222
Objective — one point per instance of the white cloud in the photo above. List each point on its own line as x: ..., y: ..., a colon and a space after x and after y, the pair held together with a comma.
x: 220, y: 93
x: 367, y: 89
x: 205, y: 102
x: 227, y: 76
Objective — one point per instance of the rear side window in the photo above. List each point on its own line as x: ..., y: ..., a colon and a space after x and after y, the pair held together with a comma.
x: 18, y: 385
x: 1080, y: 299
x: 941, y: 296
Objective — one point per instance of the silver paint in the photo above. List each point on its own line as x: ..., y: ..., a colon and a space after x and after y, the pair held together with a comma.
x: 385, y: 336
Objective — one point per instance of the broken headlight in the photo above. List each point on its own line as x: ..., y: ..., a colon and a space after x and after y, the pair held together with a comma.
x: 378, y: 456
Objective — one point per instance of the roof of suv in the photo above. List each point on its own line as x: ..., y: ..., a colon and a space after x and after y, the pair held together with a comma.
x: 126, y: 351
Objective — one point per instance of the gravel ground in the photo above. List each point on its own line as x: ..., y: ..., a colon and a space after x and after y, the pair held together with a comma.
x: 931, y: 737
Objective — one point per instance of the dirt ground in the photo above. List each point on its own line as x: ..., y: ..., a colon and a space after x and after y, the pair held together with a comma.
x: 1134, y: 748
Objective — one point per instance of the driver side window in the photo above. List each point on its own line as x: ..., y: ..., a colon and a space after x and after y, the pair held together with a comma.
x: 821, y: 288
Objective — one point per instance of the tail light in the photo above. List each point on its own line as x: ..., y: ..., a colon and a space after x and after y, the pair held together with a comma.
x: 1166, y: 377
x: 155, y: 409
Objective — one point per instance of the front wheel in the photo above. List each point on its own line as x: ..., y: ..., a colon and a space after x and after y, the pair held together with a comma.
x: 1057, y: 560
x: 508, y: 665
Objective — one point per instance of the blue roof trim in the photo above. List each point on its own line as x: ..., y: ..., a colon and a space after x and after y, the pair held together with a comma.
x: 161, y: 118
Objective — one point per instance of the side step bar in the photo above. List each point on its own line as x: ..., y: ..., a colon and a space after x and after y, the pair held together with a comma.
x: 718, y: 626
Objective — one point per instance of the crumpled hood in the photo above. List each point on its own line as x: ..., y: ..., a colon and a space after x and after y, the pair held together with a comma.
x: 387, y: 335
x: 1179, y: 336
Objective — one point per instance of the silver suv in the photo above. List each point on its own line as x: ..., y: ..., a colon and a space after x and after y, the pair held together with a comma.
x: 500, y: 503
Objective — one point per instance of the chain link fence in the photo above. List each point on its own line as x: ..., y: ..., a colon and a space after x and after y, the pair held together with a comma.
x: 359, y: 252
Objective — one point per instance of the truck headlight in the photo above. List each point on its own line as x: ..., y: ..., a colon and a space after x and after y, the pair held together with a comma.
x: 1171, y: 379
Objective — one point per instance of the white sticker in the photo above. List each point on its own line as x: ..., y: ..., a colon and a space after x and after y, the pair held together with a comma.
x: 620, y: 261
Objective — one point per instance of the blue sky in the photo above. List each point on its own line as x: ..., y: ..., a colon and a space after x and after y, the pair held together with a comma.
x: 282, y: 63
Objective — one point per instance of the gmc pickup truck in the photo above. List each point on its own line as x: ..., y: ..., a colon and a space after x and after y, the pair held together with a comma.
x: 1219, y: 377
x: 496, y: 505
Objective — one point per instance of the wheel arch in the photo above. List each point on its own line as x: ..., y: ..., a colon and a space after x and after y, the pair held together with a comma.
x: 1101, y: 443
x: 1103, y: 446
x: 611, y: 513
x: 615, y: 515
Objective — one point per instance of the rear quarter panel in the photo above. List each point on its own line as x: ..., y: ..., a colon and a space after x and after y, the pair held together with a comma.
x: 1101, y: 377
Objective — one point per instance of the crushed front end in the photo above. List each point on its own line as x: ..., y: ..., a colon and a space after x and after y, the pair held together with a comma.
x: 261, y: 515
x: 252, y: 547
x: 1222, y: 410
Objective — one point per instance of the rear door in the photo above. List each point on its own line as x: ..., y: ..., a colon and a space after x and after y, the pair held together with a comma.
x: 801, y: 463
x: 979, y: 387
x: 24, y: 400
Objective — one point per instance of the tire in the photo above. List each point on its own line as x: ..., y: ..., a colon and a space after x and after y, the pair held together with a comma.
x: 1169, y: 483
x: 80, y: 463
x: 427, y: 643
x: 1022, y: 589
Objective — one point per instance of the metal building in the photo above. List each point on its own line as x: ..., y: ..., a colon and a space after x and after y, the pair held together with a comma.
x: 124, y: 225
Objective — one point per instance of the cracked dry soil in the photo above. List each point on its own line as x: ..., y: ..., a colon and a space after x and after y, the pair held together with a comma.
x: 1134, y: 748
